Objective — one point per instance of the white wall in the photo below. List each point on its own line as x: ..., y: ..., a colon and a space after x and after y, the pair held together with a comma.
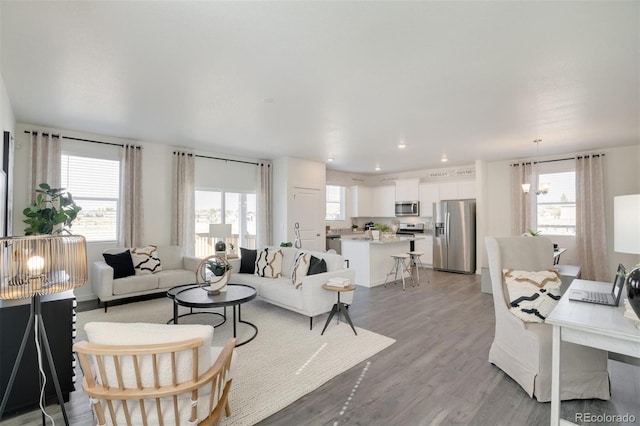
x: 290, y: 173
x: 156, y: 183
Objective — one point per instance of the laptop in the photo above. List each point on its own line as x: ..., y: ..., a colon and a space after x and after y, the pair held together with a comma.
x: 600, y: 297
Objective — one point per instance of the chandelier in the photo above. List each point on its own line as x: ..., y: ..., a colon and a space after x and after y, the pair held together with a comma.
x: 543, y: 188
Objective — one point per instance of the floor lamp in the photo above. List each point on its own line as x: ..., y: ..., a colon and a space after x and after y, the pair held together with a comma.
x: 34, y: 266
x: 626, y: 239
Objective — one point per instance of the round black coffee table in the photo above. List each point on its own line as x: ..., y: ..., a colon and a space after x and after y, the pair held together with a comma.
x: 192, y: 296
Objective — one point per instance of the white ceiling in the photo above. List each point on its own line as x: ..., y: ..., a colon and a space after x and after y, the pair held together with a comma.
x: 349, y: 80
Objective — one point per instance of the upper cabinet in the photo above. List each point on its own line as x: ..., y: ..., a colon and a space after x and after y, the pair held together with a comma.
x: 384, y: 201
x: 407, y: 189
x: 433, y: 192
x: 373, y: 201
x: 361, y: 201
x: 429, y: 194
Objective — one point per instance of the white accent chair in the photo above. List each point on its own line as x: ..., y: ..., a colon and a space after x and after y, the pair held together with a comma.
x: 523, y: 350
x: 139, y: 374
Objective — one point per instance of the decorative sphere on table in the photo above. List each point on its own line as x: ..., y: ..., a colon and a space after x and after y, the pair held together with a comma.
x: 633, y: 288
x: 213, y: 274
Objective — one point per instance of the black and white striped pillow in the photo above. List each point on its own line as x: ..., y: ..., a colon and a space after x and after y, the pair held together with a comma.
x: 269, y: 263
x: 146, y: 260
x: 300, y: 268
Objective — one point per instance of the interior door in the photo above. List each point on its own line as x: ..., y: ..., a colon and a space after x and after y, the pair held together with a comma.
x: 309, y: 213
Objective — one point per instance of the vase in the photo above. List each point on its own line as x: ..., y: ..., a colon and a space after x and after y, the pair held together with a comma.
x: 633, y: 289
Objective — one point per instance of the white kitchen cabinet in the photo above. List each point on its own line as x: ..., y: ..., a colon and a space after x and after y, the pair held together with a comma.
x: 460, y: 190
x: 466, y: 189
x: 448, y: 190
x: 425, y: 246
x: 407, y: 189
x: 429, y: 194
x: 361, y: 201
x: 384, y: 201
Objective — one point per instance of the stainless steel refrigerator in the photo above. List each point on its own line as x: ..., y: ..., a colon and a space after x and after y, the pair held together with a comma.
x: 454, y: 239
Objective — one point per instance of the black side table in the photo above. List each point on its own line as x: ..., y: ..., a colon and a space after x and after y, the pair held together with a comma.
x: 339, y: 307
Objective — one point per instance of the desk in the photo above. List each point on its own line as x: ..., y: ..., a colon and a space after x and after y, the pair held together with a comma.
x: 597, y: 326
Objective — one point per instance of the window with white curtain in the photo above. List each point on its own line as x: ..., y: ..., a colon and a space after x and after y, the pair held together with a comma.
x: 335, y: 202
x: 94, y: 184
x: 555, y: 211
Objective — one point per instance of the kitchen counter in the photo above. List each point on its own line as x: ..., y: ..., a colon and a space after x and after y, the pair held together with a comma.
x: 385, y: 240
x: 371, y: 259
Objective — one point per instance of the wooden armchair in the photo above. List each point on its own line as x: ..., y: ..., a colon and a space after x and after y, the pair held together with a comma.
x: 157, y: 383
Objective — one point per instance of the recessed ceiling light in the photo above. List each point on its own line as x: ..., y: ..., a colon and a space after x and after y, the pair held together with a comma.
x: 330, y: 159
x: 377, y: 168
x: 402, y: 145
x: 444, y: 158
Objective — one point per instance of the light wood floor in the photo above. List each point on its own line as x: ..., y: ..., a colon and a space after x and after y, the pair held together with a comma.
x: 436, y: 373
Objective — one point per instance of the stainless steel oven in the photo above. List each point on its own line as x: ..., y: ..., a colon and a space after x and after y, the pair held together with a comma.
x: 407, y: 208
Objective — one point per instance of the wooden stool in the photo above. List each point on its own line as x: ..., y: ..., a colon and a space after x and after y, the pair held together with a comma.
x: 416, y: 263
x: 399, y: 265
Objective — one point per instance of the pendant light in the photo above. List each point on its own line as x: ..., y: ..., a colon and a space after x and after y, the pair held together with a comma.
x: 543, y: 188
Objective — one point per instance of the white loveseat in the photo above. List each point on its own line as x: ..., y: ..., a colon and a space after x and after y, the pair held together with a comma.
x: 176, y: 270
x: 310, y: 299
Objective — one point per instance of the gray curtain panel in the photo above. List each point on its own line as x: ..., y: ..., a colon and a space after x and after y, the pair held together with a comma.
x: 591, y: 239
x: 183, y: 232
x: 264, y: 200
x: 45, y: 161
x: 131, y: 197
x: 521, y: 217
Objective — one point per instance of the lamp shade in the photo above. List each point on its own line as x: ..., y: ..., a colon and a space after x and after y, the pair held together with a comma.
x: 626, y: 224
x: 41, y: 264
x: 219, y: 230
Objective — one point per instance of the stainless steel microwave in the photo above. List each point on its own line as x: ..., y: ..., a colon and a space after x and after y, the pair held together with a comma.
x: 407, y: 208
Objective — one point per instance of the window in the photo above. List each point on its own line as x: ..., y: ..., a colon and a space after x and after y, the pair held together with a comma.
x: 335, y: 203
x: 556, y: 210
x: 235, y: 208
x: 95, y: 186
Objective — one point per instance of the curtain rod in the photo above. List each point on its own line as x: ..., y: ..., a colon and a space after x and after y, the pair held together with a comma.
x: 82, y: 140
x: 559, y: 159
x: 227, y: 159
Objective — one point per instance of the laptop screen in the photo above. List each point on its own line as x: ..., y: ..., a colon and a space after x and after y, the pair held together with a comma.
x: 618, y: 282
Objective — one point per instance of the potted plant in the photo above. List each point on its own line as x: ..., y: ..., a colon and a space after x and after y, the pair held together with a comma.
x: 52, y: 213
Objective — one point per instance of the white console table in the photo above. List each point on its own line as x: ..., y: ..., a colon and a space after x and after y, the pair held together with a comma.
x: 597, y: 326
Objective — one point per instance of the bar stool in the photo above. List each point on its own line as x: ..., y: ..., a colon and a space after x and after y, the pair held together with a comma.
x: 399, y: 265
x: 415, y: 262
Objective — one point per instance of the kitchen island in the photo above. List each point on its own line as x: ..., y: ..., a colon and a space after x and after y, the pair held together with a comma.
x: 371, y: 259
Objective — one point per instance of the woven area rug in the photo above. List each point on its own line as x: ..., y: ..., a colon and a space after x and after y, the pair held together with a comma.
x: 283, y: 363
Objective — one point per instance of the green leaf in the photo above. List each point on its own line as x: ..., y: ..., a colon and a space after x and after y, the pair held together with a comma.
x: 44, y: 186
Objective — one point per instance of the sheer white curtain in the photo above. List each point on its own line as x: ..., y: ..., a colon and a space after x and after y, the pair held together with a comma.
x: 131, y: 213
x: 591, y: 240
x: 264, y: 201
x: 183, y: 232
x: 521, y: 216
x: 45, y: 160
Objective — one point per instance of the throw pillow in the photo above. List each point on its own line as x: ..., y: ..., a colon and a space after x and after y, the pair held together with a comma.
x: 269, y: 263
x: 146, y: 260
x: 532, y: 295
x: 300, y: 268
x: 247, y: 261
x: 121, y: 263
x: 316, y: 266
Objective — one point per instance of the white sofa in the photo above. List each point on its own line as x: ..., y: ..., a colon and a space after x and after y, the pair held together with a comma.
x: 176, y: 270
x: 310, y: 299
